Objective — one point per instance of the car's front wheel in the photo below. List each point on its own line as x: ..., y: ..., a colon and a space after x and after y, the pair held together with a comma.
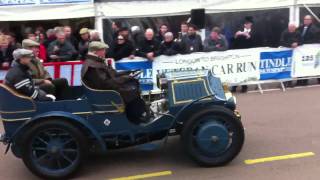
x: 213, y: 136
x: 54, y: 149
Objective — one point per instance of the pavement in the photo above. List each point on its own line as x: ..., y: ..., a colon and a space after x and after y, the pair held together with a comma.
x: 277, y: 124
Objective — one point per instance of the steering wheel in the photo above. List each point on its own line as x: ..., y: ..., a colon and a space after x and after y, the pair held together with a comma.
x: 135, y: 73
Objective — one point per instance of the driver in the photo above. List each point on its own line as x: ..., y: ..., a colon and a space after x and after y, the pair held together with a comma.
x: 20, y: 79
x: 97, y: 74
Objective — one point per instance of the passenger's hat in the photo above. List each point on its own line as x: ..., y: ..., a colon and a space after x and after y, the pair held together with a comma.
x: 84, y: 31
x: 29, y: 43
x: 19, y: 53
x: 97, y: 45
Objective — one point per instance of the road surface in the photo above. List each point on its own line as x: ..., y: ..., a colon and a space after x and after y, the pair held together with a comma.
x: 277, y: 123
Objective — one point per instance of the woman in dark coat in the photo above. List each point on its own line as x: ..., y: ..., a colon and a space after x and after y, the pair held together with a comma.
x: 122, y: 48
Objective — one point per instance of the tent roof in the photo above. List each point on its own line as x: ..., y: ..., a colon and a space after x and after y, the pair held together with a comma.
x: 151, y: 8
x: 138, y: 8
x: 46, y: 12
x: 124, y: 9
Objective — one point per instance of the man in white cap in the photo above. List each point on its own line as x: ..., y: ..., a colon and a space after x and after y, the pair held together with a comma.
x: 83, y: 43
x: 168, y: 46
x: 19, y: 77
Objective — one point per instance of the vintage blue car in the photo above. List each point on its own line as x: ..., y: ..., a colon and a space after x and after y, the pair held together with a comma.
x: 54, y: 138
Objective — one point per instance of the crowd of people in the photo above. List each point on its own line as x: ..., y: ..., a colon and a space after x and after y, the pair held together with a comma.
x: 56, y: 45
x: 59, y: 44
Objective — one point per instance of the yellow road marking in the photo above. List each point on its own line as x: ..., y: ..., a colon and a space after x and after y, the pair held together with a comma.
x: 277, y: 158
x: 143, y: 176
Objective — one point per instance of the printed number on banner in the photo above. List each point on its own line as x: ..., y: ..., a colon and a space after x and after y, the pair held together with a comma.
x: 308, y: 58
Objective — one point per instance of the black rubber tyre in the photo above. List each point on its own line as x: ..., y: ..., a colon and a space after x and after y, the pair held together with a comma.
x: 229, y: 120
x: 54, y: 149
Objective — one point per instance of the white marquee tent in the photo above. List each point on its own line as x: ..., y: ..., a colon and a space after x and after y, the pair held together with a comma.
x: 135, y: 8
x: 124, y: 9
x: 154, y: 8
x: 141, y: 8
x: 46, y: 12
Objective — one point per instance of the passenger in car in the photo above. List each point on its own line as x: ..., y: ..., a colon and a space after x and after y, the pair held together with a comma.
x: 41, y: 77
x: 97, y: 74
x: 19, y: 77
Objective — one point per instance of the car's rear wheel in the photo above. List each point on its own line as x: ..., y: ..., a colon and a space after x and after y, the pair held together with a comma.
x: 54, y: 149
x: 213, y: 136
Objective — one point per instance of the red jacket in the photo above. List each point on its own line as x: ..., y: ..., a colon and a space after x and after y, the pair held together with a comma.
x: 43, y: 53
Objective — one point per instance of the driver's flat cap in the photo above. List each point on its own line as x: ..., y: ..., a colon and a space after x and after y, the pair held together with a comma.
x: 97, y: 45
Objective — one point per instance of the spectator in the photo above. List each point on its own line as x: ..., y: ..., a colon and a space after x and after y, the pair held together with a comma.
x: 51, y: 36
x: 136, y: 34
x: 246, y: 37
x: 216, y: 41
x: 122, y: 48
x: 13, y: 41
x: 41, y: 77
x: 183, y: 29
x: 308, y: 31
x: 26, y: 31
x: 6, y: 50
x: 84, y: 43
x: 39, y: 30
x: 162, y: 30
x: 149, y: 46
x: 290, y: 37
x: 192, y: 41
x: 95, y: 35
x: 58, y: 29
x: 42, y: 38
x: 124, y: 31
x: 31, y: 36
x: 42, y: 49
x: 169, y: 47
x: 61, y: 49
x: 69, y: 37
x: 116, y: 25
x: 309, y: 34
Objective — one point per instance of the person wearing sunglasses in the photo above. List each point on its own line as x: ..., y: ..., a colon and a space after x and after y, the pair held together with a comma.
x: 122, y: 48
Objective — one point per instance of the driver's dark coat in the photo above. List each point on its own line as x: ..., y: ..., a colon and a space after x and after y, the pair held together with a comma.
x: 97, y: 74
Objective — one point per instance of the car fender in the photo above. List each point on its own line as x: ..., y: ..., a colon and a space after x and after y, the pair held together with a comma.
x: 74, y: 118
x: 194, y: 106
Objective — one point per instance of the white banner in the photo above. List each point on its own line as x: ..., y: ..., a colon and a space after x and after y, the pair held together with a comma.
x: 233, y: 66
x: 306, y: 60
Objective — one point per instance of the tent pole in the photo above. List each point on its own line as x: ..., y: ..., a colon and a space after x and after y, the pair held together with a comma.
x: 98, y: 21
x: 294, y: 13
